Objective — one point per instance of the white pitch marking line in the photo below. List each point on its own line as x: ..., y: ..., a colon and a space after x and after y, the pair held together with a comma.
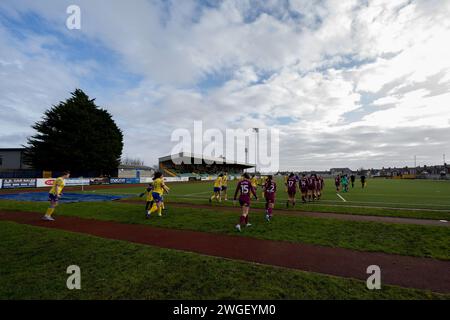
x: 192, y: 194
x: 342, y: 198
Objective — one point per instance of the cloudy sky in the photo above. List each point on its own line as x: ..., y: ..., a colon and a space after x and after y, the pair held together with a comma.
x: 347, y: 83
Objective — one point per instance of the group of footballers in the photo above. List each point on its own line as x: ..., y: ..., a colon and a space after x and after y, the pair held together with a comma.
x: 311, y: 189
x: 154, y: 195
x: 343, y: 181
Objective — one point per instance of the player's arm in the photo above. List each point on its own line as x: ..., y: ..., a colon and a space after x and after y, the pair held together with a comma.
x: 147, y: 190
x: 166, y: 188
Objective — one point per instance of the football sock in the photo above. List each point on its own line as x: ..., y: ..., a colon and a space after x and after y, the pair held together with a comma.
x: 49, y: 212
x: 154, y: 208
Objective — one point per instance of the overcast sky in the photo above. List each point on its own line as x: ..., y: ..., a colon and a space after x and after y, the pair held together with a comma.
x: 347, y: 83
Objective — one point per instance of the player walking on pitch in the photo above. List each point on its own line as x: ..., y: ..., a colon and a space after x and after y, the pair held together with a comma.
x: 291, y: 185
x: 363, y: 181
x: 244, y: 189
x: 217, y: 189
x: 304, y: 187
x: 224, y: 186
x: 149, y: 199
x: 337, y: 183
x: 54, y: 194
x: 158, y: 190
x: 270, y: 188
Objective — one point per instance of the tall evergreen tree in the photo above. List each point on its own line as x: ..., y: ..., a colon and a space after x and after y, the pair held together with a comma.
x: 76, y: 135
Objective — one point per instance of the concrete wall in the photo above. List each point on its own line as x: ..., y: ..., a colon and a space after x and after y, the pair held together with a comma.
x: 131, y: 173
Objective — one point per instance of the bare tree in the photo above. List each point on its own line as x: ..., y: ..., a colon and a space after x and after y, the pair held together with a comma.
x: 132, y: 161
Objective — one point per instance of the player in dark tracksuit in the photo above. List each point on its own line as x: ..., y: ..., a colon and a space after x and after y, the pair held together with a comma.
x: 337, y: 183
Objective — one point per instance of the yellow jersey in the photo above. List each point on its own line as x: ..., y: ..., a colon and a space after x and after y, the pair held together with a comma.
x: 148, y: 193
x: 224, y: 181
x: 262, y: 181
x: 218, y: 182
x: 158, y: 186
x: 254, y: 181
x: 58, y: 186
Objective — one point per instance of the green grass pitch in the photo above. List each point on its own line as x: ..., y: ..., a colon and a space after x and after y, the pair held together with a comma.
x: 139, y: 271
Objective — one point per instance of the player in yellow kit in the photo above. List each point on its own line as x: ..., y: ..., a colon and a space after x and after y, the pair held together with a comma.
x: 157, y: 194
x: 149, y: 199
x: 224, y: 186
x: 54, y: 194
x: 262, y: 182
x: 254, y: 182
x: 217, y: 189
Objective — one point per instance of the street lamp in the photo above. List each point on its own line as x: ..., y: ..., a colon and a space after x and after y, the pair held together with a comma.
x: 256, y: 130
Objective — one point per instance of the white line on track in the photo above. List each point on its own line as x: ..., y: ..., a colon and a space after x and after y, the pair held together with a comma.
x: 342, y: 198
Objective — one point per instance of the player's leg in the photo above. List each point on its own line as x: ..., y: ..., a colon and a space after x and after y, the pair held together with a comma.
x: 243, y: 215
x: 213, y: 195
x: 51, y: 209
x: 160, y: 207
x: 270, y: 210
x: 225, y: 193
x: 148, y: 205
x: 246, y: 210
x: 156, y: 204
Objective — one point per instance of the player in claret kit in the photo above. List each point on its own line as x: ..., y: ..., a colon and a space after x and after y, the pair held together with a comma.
x: 304, y: 187
x: 337, y: 183
x: 321, y: 186
x: 291, y: 185
x: 244, y: 189
x: 316, y: 192
x: 310, y: 180
x: 270, y: 188
x: 54, y: 194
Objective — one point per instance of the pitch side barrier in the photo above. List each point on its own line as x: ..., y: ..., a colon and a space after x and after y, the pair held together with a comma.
x: 19, y: 183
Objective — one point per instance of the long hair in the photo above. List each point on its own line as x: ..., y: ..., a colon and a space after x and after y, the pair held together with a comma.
x: 157, y: 175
